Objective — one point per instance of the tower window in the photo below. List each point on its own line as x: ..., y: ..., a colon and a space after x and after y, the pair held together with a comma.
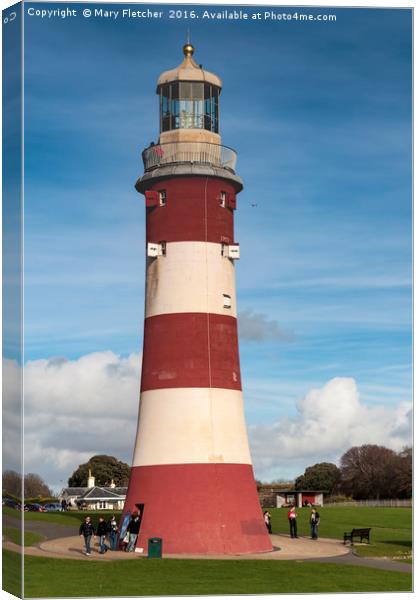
x: 162, y: 197
x: 223, y: 197
x: 189, y: 105
x: 227, y: 301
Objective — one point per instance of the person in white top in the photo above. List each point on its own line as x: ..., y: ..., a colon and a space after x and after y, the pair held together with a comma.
x: 267, y: 518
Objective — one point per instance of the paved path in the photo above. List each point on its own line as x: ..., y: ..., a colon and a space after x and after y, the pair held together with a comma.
x: 45, y: 528
x: 285, y: 548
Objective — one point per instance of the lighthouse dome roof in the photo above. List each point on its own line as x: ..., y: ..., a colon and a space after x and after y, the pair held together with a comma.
x: 189, y: 70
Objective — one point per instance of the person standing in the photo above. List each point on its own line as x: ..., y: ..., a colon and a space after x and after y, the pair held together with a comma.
x: 102, y: 530
x: 267, y: 519
x: 133, y: 529
x: 292, y: 518
x: 86, y: 531
x: 113, y: 533
x: 63, y: 505
x: 314, y: 524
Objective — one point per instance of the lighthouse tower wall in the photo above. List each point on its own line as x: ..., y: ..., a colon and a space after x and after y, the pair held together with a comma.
x: 192, y: 476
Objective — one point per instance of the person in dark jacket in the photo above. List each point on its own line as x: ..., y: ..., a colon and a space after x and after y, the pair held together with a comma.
x: 133, y: 529
x: 86, y: 531
x: 113, y: 533
x: 102, y: 530
x: 314, y: 524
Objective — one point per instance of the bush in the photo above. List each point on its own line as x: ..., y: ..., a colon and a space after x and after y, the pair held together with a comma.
x: 337, y: 498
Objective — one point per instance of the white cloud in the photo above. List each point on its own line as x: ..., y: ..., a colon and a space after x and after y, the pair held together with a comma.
x: 330, y: 420
x: 257, y: 327
x: 12, y: 416
x: 73, y: 410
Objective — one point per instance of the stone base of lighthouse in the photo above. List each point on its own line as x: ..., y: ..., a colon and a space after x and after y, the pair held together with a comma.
x: 199, y: 508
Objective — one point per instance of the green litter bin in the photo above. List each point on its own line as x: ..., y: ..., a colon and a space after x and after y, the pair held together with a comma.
x: 155, y: 547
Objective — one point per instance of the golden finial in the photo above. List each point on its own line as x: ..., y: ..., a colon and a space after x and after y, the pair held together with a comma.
x: 188, y: 49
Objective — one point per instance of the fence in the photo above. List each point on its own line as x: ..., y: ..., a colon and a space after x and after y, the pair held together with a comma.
x: 383, y: 503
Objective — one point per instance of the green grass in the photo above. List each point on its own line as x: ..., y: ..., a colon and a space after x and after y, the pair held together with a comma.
x: 12, y: 572
x: 391, y: 533
x: 72, y: 518
x: 46, y: 577
x: 391, y: 536
x: 14, y: 535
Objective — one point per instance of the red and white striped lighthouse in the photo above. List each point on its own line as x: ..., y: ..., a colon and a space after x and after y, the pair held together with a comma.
x: 192, y: 477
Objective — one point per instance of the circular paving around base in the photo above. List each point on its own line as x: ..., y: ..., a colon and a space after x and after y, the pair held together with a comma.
x: 285, y: 548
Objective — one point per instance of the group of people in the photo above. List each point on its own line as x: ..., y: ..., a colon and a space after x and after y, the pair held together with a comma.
x: 103, y: 530
x: 314, y: 522
x: 109, y: 532
x: 292, y: 519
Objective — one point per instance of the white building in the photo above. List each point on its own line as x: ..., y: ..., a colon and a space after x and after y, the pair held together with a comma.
x: 299, y: 498
x: 94, y: 497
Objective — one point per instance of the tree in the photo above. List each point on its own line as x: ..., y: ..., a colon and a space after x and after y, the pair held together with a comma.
x: 370, y: 471
x: 104, y: 469
x: 12, y: 483
x: 321, y: 476
x: 35, y: 486
x: 404, y: 473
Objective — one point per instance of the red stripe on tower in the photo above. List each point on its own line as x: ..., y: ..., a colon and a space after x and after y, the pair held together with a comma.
x: 192, y: 477
x: 207, y: 356
x: 199, y: 508
x: 195, y: 210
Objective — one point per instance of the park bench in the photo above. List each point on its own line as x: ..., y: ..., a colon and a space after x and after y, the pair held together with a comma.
x: 360, y: 533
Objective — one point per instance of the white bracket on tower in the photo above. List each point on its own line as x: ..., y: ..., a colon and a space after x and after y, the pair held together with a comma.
x: 231, y: 251
x: 154, y: 250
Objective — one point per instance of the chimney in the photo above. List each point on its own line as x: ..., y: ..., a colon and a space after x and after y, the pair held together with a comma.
x: 90, y: 480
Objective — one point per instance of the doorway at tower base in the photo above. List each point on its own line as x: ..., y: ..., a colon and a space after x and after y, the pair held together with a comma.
x: 199, y: 508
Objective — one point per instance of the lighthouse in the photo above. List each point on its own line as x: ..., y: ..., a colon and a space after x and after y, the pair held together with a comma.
x: 192, y: 479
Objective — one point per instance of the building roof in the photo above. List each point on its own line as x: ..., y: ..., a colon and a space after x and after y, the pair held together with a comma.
x: 96, y: 493
x: 74, y: 491
x: 303, y: 491
x: 100, y: 493
x: 189, y: 70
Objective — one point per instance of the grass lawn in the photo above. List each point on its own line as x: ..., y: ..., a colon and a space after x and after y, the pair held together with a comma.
x: 72, y: 518
x: 391, y: 533
x: 47, y: 577
x: 14, y: 535
x: 12, y: 572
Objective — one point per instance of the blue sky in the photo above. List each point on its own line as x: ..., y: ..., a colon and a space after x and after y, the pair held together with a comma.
x: 320, y: 116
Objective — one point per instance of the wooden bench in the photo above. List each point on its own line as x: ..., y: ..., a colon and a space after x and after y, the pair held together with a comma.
x: 360, y: 533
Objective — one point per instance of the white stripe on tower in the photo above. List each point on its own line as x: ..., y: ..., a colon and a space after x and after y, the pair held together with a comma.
x: 192, y: 277
x: 191, y: 425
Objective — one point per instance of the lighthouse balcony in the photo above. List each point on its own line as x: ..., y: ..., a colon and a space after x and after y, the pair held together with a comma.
x: 202, y: 153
